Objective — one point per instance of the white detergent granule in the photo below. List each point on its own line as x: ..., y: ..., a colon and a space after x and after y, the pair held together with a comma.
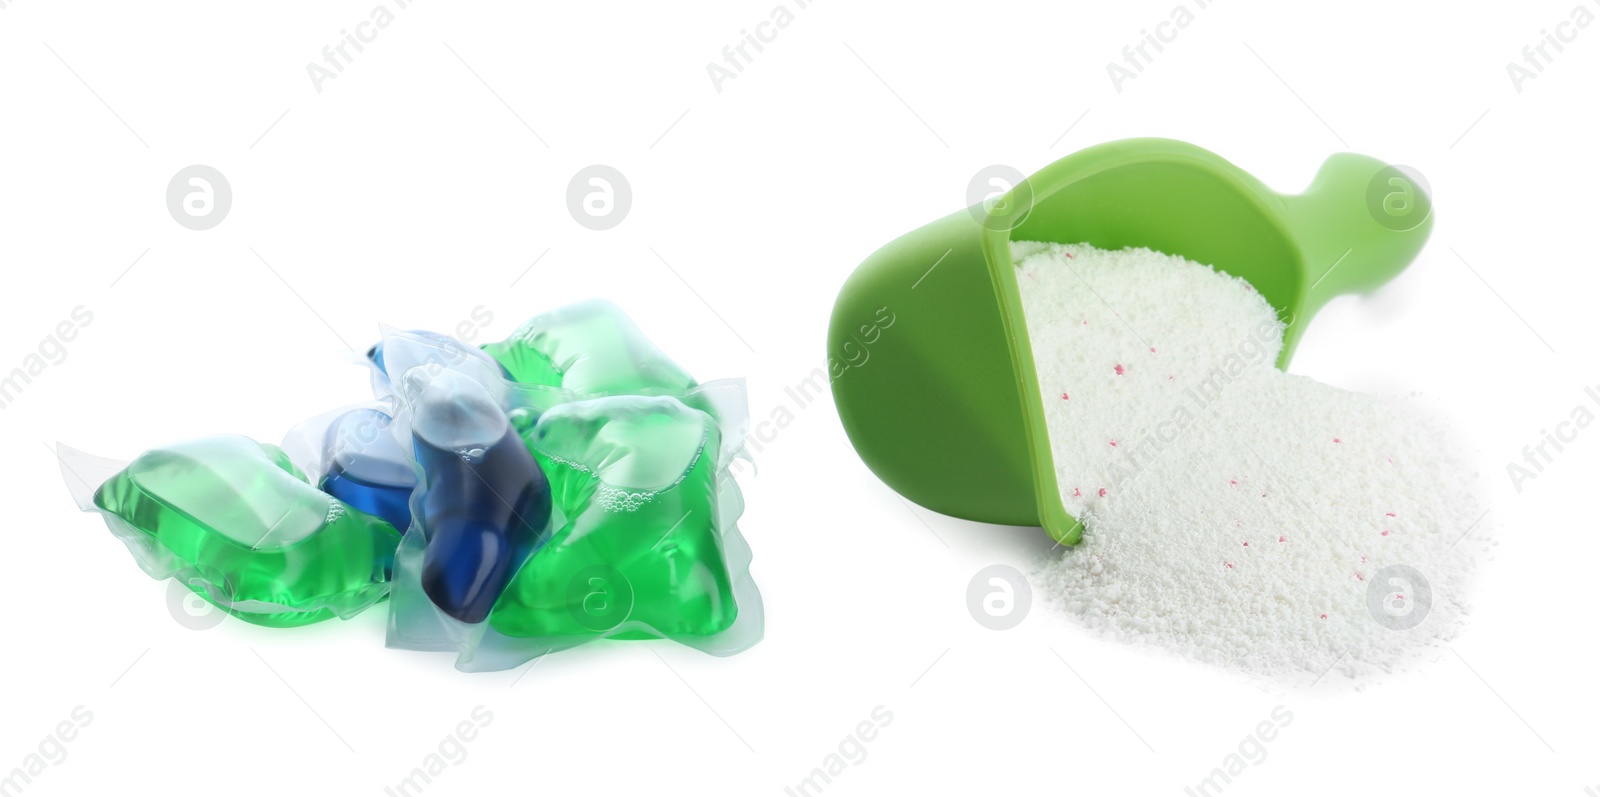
x: 1233, y: 513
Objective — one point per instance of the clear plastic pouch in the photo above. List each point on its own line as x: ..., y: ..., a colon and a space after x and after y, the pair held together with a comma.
x: 238, y: 523
x: 618, y: 559
x: 503, y: 519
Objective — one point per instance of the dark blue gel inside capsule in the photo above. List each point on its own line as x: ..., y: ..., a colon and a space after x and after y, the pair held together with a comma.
x: 486, y: 504
x: 367, y: 468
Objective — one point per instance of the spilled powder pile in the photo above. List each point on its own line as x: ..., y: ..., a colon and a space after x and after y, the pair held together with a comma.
x: 1233, y: 513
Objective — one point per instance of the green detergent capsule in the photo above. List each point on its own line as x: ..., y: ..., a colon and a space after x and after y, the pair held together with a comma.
x: 641, y: 553
x: 237, y: 523
x: 590, y: 348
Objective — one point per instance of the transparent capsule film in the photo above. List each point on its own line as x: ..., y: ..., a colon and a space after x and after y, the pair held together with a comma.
x: 83, y: 473
x: 591, y: 348
x: 641, y: 553
x: 353, y: 455
x: 398, y: 352
x: 236, y: 521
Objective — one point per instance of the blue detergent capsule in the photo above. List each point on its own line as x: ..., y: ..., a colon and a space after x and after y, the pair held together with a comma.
x: 486, y: 504
x: 367, y: 468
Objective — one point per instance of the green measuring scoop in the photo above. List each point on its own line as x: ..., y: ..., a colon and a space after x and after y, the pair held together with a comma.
x: 928, y: 351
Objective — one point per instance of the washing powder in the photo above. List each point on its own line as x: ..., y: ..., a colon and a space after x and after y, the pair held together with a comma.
x: 1233, y: 513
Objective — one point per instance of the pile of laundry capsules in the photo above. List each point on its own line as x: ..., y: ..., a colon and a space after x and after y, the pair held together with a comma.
x: 567, y: 484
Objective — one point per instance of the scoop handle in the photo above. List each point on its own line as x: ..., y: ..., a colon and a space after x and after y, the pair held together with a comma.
x: 1360, y: 223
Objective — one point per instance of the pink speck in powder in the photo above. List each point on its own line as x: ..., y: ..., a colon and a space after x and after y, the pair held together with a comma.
x: 1120, y: 370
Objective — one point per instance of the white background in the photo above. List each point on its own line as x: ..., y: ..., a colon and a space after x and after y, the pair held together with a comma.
x: 414, y: 188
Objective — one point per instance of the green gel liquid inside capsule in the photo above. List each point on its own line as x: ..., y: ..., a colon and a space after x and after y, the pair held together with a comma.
x: 637, y: 480
x: 590, y: 348
x: 236, y: 522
